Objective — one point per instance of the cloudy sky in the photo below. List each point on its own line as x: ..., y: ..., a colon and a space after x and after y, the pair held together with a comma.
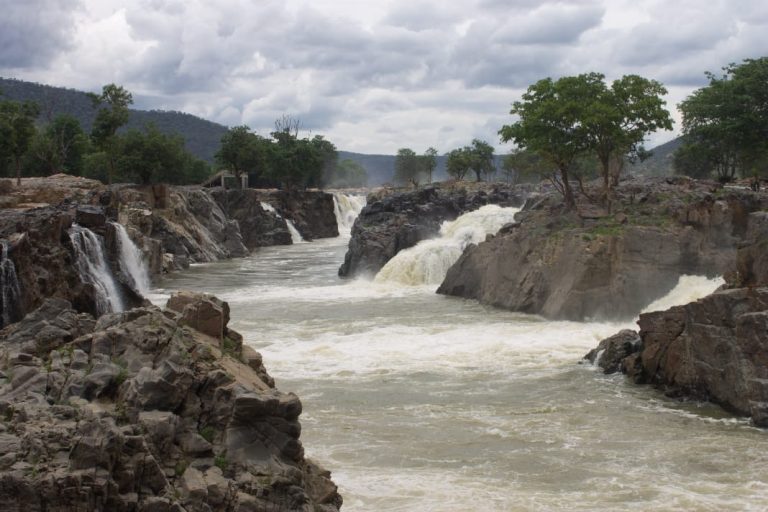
x: 371, y: 76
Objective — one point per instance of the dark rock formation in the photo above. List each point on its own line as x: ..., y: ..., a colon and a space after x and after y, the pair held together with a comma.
x: 597, y: 263
x: 259, y: 227
x: 391, y: 223
x: 136, y: 412
x: 716, y: 348
x: 611, y: 351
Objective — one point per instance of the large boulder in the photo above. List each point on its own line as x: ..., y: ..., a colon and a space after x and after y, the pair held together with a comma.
x: 139, y: 412
x: 612, y: 351
x: 258, y: 226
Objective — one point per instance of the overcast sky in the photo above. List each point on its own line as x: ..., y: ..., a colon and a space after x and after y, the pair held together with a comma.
x: 371, y: 76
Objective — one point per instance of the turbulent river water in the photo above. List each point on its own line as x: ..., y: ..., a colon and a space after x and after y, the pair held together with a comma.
x: 419, y: 402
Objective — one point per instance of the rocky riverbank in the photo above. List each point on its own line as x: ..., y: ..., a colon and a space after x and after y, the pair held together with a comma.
x: 396, y: 220
x: 606, y: 262
x: 172, y: 226
x: 713, y: 349
x: 148, y: 410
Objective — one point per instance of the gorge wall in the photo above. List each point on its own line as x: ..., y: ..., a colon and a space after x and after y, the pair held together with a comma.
x: 606, y: 264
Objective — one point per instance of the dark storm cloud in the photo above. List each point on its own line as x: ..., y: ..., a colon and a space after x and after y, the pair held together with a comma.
x: 32, y: 32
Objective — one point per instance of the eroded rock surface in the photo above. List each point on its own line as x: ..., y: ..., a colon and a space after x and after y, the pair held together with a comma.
x: 139, y: 412
x: 390, y: 223
x: 595, y: 263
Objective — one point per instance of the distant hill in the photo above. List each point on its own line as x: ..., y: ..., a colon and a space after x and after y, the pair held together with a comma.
x: 201, y: 137
x: 661, y: 161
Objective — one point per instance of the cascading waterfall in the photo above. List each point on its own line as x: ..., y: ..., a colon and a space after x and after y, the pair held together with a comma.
x: 429, y: 260
x: 9, y: 287
x: 688, y: 289
x: 132, y: 260
x: 95, y: 270
x: 347, y: 207
x: 295, y: 235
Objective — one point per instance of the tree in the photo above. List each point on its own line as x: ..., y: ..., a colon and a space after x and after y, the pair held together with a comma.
x: 480, y: 159
x: 152, y: 156
x: 243, y: 151
x: 60, y: 147
x: 429, y: 161
x: 552, y: 125
x: 566, y: 119
x: 458, y: 163
x: 727, y: 121
x: 619, y: 118
x: 348, y: 174
x: 112, y: 114
x: 17, y: 130
x: 528, y: 167
x: 408, y: 167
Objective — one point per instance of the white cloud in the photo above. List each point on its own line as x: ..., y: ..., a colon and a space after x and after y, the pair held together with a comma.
x: 371, y: 77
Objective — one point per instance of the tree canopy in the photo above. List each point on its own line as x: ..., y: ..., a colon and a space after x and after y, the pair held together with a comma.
x: 17, y: 130
x: 565, y: 119
x: 112, y: 114
x: 725, y: 124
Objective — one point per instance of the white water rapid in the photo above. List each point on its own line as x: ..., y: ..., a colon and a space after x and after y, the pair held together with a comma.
x: 427, y: 262
x: 9, y: 286
x: 347, y: 207
x: 132, y: 261
x: 417, y: 401
x: 94, y: 269
x: 295, y: 235
x: 688, y: 289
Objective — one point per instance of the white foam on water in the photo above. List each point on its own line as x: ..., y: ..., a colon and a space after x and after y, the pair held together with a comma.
x: 688, y: 289
x: 268, y: 207
x: 132, y: 261
x: 9, y: 286
x: 346, y: 208
x: 429, y: 260
x: 295, y: 235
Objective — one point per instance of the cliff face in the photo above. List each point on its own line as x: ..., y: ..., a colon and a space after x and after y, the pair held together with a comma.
x: 142, y: 411
x: 592, y: 263
x: 713, y: 349
x: 391, y: 223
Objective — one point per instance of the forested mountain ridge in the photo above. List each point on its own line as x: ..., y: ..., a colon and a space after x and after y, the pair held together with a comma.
x: 202, y: 137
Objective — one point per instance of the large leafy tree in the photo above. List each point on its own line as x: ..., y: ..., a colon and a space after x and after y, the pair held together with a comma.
x: 429, y: 162
x: 619, y: 119
x: 17, y: 130
x: 113, y: 113
x: 60, y: 147
x: 408, y: 166
x: 726, y: 122
x: 243, y: 151
x: 458, y: 163
x: 152, y: 156
x: 480, y: 155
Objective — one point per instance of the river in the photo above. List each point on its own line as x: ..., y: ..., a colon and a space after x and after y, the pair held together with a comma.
x: 419, y: 402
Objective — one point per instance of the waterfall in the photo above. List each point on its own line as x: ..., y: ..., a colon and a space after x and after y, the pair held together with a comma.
x: 347, y: 208
x: 132, y: 261
x: 295, y: 235
x: 688, y: 289
x: 94, y: 269
x: 9, y: 287
x: 429, y: 260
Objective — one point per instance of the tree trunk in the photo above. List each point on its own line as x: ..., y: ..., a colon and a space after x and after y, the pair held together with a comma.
x: 570, y: 202
x: 616, y: 165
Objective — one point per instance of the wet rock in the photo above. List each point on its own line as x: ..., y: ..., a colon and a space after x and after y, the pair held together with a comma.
x: 91, y: 217
x: 611, y: 351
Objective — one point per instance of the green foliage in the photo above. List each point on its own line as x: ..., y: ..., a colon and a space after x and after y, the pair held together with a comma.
x: 60, y: 147
x: 112, y: 114
x: 477, y: 157
x: 17, y: 130
x: 220, y: 461
x: 243, y: 151
x: 726, y: 123
x: 457, y: 163
x: 429, y: 161
x: 207, y: 433
x: 573, y: 116
x: 526, y: 166
x: 408, y: 167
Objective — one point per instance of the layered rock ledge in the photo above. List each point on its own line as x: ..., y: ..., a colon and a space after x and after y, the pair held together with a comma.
x: 396, y: 220
x: 142, y: 411
x: 714, y: 349
x: 606, y: 263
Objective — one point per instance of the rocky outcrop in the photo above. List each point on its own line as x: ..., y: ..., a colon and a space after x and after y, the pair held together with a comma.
x: 606, y: 262
x: 140, y: 412
x: 259, y: 227
x: 713, y: 349
x: 612, y: 351
x: 393, y: 222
